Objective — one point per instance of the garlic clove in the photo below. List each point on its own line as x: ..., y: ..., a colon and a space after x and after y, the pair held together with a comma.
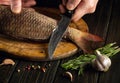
x: 102, y: 62
x: 7, y: 62
x: 106, y: 62
x: 69, y: 75
x: 96, y: 64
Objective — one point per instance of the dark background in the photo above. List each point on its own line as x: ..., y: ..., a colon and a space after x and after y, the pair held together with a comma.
x: 48, y: 3
x: 104, y: 22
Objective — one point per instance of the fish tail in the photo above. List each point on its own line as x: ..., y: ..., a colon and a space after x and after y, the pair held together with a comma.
x: 83, y: 40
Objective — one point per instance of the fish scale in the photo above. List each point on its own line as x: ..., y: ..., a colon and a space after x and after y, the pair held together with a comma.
x: 29, y: 24
x: 35, y: 26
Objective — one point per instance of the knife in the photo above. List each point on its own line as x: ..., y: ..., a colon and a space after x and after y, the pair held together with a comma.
x: 59, y: 32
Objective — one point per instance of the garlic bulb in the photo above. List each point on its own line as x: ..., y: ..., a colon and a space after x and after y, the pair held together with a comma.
x: 102, y: 62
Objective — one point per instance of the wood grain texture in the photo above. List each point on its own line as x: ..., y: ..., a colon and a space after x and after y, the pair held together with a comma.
x: 36, y: 51
x: 113, y: 35
x: 105, y: 22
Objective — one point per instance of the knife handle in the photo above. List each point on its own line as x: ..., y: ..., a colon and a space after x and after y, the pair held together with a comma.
x: 69, y: 13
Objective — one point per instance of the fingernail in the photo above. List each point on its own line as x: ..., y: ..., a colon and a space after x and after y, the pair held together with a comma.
x: 62, y: 10
x: 16, y: 10
x: 16, y: 6
x: 70, y: 6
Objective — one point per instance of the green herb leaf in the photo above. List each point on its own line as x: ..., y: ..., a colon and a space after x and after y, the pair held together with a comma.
x: 80, y: 62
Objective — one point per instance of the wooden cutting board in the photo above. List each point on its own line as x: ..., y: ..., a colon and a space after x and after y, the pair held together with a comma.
x: 35, y: 51
x: 38, y: 51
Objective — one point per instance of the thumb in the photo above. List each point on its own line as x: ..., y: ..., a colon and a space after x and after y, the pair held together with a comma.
x: 16, y: 6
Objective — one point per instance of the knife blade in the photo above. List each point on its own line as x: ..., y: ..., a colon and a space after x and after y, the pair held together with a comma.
x: 59, y: 32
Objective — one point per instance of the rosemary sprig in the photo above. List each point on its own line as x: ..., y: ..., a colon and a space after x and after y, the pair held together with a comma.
x: 109, y: 49
x: 80, y: 62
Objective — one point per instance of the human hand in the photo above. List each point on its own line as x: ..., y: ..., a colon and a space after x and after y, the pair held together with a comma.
x: 81, y: 7
x: 16, y: 5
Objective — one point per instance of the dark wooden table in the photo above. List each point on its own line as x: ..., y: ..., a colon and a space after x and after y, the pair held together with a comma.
x: 105, y: 22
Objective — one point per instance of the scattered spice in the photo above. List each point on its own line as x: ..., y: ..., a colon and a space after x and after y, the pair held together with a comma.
x: 49, y: 65
x: 38, y: 67
x: 34, y: 67
x: 28, y: 67
x: 18, y: 70
x: 69, y: 75
x: 43, y: 69
x: 7, y: 62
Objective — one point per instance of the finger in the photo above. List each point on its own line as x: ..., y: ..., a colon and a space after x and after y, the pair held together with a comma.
x: 64, y: 2
x: 79, y: 12
x: 72, y: 4
x: 84, y: 8
x: 62, y: 9
x: 16, y: 6
x: 29, y: 3
x: 5, y: 2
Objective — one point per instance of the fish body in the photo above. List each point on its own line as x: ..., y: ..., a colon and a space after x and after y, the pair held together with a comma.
x: 29, y: 24
x: 32, y: 25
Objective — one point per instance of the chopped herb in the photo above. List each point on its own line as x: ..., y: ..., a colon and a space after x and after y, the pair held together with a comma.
x: 80, y: 62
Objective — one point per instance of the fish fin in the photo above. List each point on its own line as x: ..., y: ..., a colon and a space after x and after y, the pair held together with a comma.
x: 83, y: 40
x: 86, y: 40
x: 91, y: 37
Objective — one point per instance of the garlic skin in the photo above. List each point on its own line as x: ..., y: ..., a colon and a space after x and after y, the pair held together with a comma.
x: 102, y: 62
x: 69, y: 75
x: 7, y: 62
